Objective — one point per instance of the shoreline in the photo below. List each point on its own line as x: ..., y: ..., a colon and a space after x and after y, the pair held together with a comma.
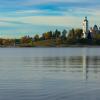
x: 69, y: 46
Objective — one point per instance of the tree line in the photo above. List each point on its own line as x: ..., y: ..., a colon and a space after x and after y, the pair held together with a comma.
x: 56, y: 38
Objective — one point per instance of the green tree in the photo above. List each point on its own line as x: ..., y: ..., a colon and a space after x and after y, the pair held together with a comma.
x: 75, y: 34
x: 57, y: 34
x: 50, y: 34
x: 64, y: 32
x: 78, y: 33
x: 71, y: 34
x: 36, y: 37
x: 1, y: 41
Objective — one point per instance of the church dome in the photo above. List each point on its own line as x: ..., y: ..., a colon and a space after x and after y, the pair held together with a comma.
x: 95, y: 27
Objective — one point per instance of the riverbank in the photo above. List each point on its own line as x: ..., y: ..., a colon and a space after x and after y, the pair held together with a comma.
x: 50, y: 43
x: 68, y: 46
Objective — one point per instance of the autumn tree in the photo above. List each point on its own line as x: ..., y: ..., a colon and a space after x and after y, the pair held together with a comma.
x: 78, y: 33
x: 71, y: 34
x: 25, y: 40
x: 75, y: 33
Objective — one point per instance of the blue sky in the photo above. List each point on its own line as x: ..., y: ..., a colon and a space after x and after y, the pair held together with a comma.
x: 23, y: 17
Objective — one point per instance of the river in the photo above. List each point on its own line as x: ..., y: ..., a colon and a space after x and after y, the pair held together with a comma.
x: 49, y: 73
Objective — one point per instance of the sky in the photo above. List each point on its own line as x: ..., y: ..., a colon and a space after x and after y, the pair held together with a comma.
x: 29, y: 17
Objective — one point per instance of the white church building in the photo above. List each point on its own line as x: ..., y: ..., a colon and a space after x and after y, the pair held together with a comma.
x: 85, y: 27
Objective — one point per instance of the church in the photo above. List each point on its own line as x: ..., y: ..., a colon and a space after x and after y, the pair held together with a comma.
x: 89, y: 33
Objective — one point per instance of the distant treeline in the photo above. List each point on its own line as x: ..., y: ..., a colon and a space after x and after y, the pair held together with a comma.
x: 54, y: 39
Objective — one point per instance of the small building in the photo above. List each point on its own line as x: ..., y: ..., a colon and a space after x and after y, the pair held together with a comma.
x: 95, y: 28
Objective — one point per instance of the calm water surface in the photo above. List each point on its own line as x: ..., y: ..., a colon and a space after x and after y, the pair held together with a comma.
x: 49, y: 73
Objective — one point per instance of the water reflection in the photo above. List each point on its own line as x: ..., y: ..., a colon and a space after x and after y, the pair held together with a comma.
x: 83, y: 63
x: 39, y: 74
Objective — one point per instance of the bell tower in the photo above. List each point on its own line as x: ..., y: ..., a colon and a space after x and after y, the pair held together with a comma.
x: 85, y: 27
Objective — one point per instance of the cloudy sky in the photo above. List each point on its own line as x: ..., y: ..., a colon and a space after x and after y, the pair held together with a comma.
x: 22, y: 17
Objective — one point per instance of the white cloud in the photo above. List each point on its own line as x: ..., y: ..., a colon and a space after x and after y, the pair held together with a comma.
x: 36, y: 2
x: 29, y: 11
x: 51, y: 20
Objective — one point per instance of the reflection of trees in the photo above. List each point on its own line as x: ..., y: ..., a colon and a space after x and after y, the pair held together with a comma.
x: 94, y: 63
x: 94, y: 60
x: 91, y: 65
x: 76, y: 64
x: 75, y: 60
x: 55, y: 61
